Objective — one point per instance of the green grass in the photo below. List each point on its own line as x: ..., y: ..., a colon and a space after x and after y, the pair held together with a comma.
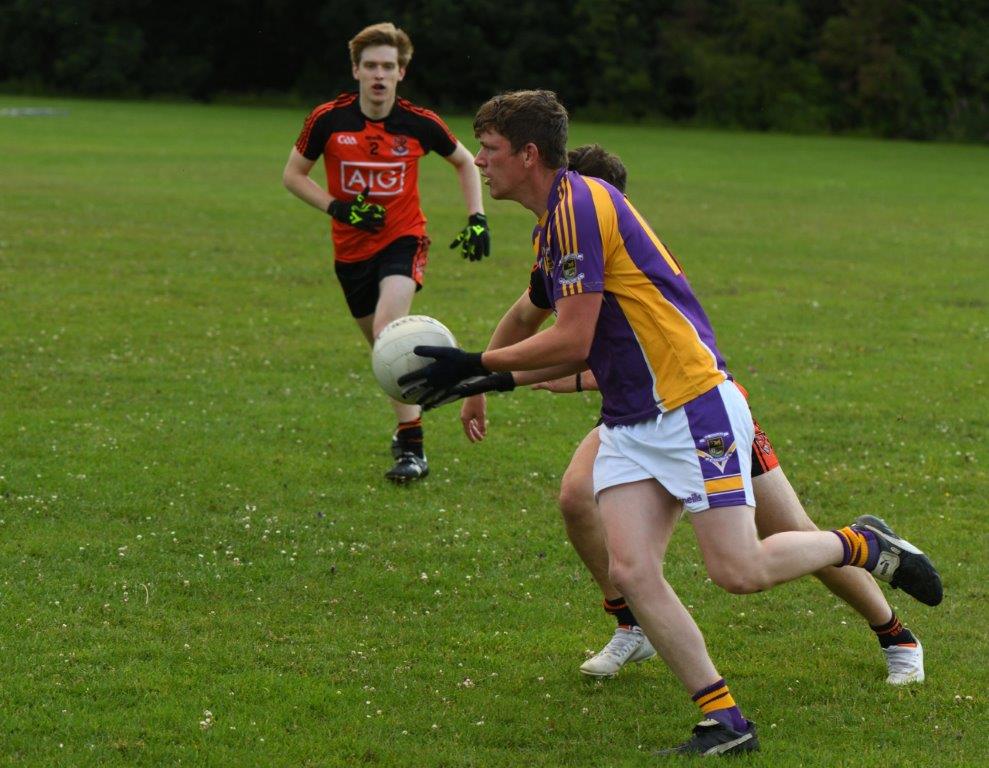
x: 192, y: 509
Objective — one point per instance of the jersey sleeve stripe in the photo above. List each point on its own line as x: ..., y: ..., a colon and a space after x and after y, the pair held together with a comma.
x: 317, y: 113
x: 559, y: 221
x: 571, y: 222
x: 606, y: 216
x: 429, y: 115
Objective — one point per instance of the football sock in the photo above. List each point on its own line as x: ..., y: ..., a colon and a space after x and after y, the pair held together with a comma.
x: 620, y: 610
x: 409, y: 434
x: 860, y: 547
x: 717, y: 703
x: 893, y: 633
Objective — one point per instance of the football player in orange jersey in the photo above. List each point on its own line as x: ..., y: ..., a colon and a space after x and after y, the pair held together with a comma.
x: 371, y: 142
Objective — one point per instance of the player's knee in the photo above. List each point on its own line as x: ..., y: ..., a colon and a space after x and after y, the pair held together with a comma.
x: 621, y: 578
x: 738, y: 580
x: 627, y: 576
x: 576, y: 505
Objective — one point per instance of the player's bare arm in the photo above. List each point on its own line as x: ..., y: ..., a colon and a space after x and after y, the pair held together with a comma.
x: 567, y: 341
x: 296, y: 179
x: 456, y: 373
x: 470, y: 179
x: 521, y: 321
x: 565, y: 384
x: 474, y: 240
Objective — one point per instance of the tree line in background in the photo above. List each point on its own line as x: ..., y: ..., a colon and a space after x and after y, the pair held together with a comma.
x: 896, y: 68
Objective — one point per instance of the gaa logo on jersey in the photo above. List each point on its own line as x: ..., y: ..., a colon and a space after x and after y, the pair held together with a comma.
x: 383, y: 178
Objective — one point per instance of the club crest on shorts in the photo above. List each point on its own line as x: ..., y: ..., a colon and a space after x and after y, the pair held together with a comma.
x: 715, y: 449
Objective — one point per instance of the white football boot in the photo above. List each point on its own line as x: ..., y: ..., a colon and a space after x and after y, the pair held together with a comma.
x: 905, y: 664
x: 626, y: 645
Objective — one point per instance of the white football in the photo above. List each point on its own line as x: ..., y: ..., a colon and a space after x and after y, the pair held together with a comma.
x: 393, y: 357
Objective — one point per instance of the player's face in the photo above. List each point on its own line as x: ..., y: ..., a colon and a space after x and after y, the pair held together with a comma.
x: 378, y: 74
x: 503, y: 170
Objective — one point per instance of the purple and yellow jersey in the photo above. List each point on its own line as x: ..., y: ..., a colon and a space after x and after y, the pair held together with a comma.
x: 653, y: 347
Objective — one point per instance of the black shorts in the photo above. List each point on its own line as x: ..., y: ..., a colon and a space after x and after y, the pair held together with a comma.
x: 360, y: 279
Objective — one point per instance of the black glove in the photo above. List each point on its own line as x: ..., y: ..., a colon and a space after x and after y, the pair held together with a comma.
x: 495, y: 382
x: 475, y: 239
x: 358, y: 212
x: 452, y: 366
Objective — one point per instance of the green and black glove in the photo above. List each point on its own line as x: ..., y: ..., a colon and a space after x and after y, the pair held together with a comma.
x: 475, y: 239
x: 358, y: 212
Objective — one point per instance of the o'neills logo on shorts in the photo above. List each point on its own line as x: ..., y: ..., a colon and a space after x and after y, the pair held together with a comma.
x: 383, y: 178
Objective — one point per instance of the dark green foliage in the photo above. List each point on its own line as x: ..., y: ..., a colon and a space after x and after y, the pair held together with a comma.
x: 898, y: 68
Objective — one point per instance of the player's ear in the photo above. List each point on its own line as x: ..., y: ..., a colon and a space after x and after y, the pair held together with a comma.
x: 530, y: 155
x: 401, y: 74
x: 356, y: 70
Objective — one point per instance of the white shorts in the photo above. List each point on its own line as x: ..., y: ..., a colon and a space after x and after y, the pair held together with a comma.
x: 700, y: 452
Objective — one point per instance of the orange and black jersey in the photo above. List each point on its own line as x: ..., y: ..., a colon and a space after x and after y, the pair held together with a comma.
x: 382, y: 155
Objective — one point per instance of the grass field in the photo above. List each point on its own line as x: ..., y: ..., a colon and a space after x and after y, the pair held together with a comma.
x: 192, y: 511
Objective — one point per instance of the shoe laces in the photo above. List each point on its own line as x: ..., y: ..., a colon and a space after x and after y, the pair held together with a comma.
x: 623, y: 643
x: 901, y: 659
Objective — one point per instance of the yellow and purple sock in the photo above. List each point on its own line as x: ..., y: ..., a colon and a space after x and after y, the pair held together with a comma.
x: 893, y: 633
x: 860, y: 547
x: 717, y: 703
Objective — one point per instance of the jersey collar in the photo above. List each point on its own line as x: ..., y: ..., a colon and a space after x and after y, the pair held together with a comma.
x: 554, y: 195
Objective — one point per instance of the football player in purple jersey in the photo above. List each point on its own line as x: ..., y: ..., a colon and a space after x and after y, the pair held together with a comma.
x: 778, y: 507
x: 676, y: 431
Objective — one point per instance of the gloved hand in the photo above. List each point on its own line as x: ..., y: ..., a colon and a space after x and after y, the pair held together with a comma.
x: 452, y: 366
x: 502, y: 381
x: 475, y: 239
x: 367, y: 216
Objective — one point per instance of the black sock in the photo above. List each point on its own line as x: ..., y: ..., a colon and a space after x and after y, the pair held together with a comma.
x: 893, y: 633
x: 620, y: 610
x: 409, y: 435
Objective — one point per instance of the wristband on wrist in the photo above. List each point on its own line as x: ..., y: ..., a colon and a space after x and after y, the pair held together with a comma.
x: 580, y: 385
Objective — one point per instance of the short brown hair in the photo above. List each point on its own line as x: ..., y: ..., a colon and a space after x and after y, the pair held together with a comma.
x: 385, y: 33
x: 528, y: 116
x: 594, y: 160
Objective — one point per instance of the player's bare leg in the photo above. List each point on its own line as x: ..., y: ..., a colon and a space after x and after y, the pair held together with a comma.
x: 740, y: 563
x: 580, y: 517
x: 778, y: 509
x: 638, y: 519
x: 580, y: 514
x: 395, y: 293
